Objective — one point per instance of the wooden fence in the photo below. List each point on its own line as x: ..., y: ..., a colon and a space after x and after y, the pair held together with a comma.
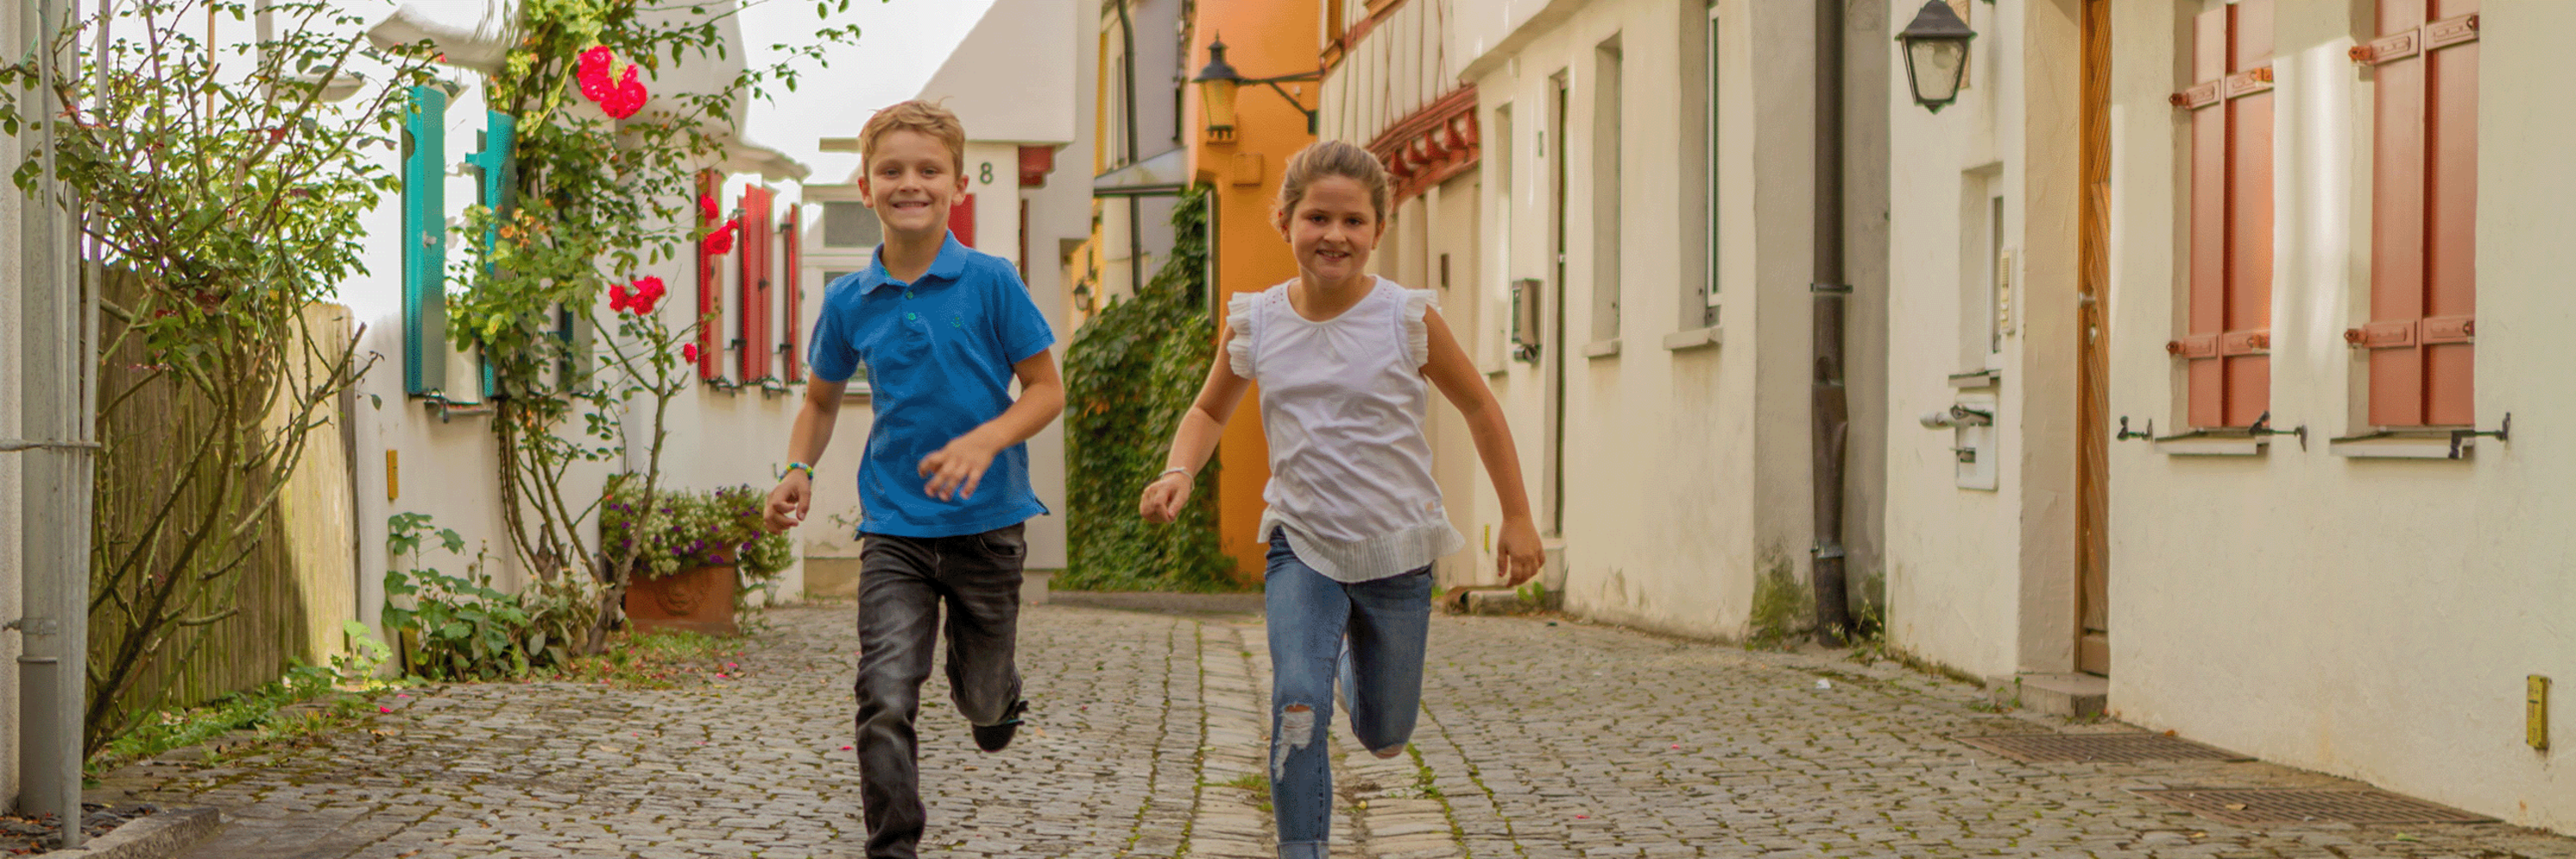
x: 299, y: 582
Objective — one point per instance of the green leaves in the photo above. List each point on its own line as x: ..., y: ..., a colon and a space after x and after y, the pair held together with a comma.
x: 1130, y: 375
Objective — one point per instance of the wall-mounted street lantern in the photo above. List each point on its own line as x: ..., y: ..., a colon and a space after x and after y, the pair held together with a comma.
x: 1218, y: 83
x: 1936, y: 54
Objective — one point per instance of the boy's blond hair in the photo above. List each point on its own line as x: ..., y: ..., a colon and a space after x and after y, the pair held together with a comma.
x: 914, y: 115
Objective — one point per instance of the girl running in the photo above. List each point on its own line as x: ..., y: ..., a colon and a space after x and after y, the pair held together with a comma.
x: 1345, y: 360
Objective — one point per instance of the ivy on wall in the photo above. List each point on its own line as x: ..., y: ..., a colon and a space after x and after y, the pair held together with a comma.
x: 1130, y: 375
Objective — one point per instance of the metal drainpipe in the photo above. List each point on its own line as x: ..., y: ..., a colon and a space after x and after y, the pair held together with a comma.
x: 1127, y: 98
x: 1832, y: 412
x: 56, y: 316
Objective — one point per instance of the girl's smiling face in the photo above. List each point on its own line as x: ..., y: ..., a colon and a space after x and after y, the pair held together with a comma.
x: 912, y: 180
x: 1332, y: 229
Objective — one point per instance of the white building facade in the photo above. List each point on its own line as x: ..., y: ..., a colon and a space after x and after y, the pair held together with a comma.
x: 2251, y: 315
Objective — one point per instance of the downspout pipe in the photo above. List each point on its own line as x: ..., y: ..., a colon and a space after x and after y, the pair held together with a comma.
x: 1127, y: 103
x: 1830, y: 407
x: 55, y: 321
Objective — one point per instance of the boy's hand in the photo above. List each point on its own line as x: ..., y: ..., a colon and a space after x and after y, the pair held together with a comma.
x: 955, y: 470
x: 1164, y: 497
x: 1521, y: 553
x: 789, y: 502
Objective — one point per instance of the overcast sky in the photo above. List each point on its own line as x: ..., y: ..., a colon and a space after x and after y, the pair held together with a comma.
x: 901, y: 44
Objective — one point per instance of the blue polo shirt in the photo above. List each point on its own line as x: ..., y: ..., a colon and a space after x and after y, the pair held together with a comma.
x: 939, y: 352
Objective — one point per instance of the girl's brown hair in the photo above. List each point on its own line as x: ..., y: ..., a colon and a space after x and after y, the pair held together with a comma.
x: 1330, y: 158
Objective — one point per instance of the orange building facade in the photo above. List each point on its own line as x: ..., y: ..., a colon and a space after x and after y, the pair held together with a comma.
x: 1241, y: 171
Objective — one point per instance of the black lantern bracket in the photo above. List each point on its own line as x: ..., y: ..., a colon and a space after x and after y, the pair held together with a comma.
x: 1218, y: 71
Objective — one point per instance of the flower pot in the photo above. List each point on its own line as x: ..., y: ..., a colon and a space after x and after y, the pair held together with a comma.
x: 698, y: 599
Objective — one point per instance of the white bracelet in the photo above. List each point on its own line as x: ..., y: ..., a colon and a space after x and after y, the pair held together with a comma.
x: 1171, y: 471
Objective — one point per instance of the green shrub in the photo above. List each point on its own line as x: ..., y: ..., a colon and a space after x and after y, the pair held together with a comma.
x: 458, y: 627
x: 1130, y: 375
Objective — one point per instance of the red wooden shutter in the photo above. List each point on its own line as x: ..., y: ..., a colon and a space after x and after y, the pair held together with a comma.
x: 2226, y: 346
x: 791, y: 278
x: 710, y: 280
x: 757, y: 305
x: 961, y: 219
x: 2423, y: 267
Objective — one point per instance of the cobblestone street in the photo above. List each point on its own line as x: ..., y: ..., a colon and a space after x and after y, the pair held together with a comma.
x: 1539, y: 741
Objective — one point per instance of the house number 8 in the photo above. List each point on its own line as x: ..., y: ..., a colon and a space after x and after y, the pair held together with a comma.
x: 985, y: 175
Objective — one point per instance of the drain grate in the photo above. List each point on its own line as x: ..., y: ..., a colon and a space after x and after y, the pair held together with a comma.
x: 2099, y: 748
x: 2293, y: 805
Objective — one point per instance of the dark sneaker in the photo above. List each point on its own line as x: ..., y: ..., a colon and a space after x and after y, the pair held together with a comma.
x: 997, y: 736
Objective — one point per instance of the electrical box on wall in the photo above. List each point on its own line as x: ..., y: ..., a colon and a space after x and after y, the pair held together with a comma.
x: 1973, y: 431
x: 2536, y: 711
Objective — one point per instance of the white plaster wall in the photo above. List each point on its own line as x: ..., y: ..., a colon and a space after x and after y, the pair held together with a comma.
x: 450, y: 469
x: 2368, y: 618
x: 1952, y: 554
x: 1060, y: 212
x: 1685, y: 472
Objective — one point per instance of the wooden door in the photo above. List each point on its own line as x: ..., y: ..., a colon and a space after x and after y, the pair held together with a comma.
x: 2093, y: 330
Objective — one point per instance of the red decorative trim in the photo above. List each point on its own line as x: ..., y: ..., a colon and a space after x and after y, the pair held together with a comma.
x: 1432, y: 144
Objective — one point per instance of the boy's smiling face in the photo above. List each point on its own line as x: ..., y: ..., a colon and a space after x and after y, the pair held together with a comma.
x: 912, y: 180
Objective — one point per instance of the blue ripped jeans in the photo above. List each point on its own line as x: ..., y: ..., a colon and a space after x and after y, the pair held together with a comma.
x: 1366, y: 636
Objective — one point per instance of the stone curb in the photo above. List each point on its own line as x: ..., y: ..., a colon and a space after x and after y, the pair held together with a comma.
x: 160, y: 835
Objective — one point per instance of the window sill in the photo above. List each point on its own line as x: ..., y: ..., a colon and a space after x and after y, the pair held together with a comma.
x: 1602, y: 349
x: 439, y: 405
x: 1695, y: 338
x: 2217, y: 445
x: 2435, y: 445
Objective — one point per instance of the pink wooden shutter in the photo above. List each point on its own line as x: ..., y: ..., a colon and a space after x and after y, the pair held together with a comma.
x: 710, y: 281
x: 961, y: 219
x: 791, y: 277
x: 2226, y: 344
x: 756, y: 296
x: 2423, y: 275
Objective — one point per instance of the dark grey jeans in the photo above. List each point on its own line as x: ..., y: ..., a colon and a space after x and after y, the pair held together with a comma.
x: 902, y: 581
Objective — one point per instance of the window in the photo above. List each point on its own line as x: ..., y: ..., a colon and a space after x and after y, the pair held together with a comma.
x: 850, y: 225
x: 2225, y: 348
x: 1985, y: 303
x: 858, y: 380
x: 1705, y: 298
x: 1606, y: 108
x: 2423, y: 221
x: 1501, y: 167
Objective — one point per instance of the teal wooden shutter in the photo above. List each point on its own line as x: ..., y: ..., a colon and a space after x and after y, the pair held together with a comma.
x: 424, y: 242
x: 496, y: 188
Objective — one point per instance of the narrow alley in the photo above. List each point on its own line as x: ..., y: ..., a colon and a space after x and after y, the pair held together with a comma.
x: 1540, y: 740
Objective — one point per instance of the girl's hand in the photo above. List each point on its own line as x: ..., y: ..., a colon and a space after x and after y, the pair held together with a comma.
x: 1521, y: 554
x: 1164, y: 497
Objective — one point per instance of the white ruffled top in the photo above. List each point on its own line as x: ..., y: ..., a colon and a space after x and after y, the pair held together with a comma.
x: 1342, y: 404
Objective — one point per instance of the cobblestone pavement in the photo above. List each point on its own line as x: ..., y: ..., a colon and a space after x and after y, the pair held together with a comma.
x: 1539, y: 741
